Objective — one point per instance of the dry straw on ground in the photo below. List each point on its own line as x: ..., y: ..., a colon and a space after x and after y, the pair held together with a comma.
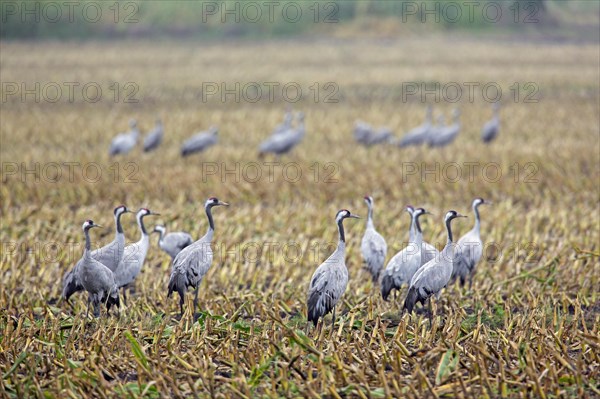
x: 529, y: 328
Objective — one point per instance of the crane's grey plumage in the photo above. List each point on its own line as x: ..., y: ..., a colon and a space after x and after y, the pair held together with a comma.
x: 193, y: 262
x: 133, y: 255
x: 380, y: 136
x: 404, y: 264
x: 432, y: 277
x: 373, y: 246
x: 286, y: 124
x: 367, y: 135
x: 362, y: 132
x: 419, y: 134
x: 284, y: 142
x: 428, y: 251
x: 97, y: 279
x: 492, y: 127
x: 154, y: 137
x: 469, y: 249
x: 110, y: 255
x: 200, y: 141
x: 329, y: 281
x: 174, y: 242
x: 446, y: 135
x: 123, y: 143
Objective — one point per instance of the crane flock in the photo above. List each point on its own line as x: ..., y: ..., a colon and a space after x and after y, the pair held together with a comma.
x: 285, y: 136
x: 419, y: 266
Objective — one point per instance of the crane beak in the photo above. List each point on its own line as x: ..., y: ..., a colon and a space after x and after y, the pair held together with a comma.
x: 222, y: 203
x: 96, y: 225
x: 461, y: 216
x: 354, y: 216
x: 154, y: 214
x: 429, y: 213
x: 487, y: 203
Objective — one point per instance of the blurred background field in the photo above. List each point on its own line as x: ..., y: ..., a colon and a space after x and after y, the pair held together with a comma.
x: 529, y: 327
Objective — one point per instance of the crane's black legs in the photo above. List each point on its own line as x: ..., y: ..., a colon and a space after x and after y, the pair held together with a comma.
x: 87, y: 314
x: 125, y: 295
x: 333, y: 320
x: 195, y: 300
x: 430, y: 313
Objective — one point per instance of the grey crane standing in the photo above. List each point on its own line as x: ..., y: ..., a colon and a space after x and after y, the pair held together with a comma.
x: 433, y: 276
x: 380, y: 136
x: 404, y: 264
x: 362, y: 132
x: 123, y: 143
x: 492, y: 127
x: 174, y: 242
x: 193, y: 262
x: 446, y: 135
x: 469, y: 249
x: 97, y: 279
x: 419, y: 134
x: 134, y: 255
x: 200, y: 141
x: 373, y: 246
x: 286, y: 124
x: 284, y: 142
x: 329, y: 281
x: 428, y: 251
x: 110, y: 255
x: 154, y: 137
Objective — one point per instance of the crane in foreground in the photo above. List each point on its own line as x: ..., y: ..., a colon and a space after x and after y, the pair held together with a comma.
x: 329, y: 281
x: 404, y: 264
x: 469, y: 249
x: 133, y: 255
x: 123, y: 143
x: 97, y: 279
x: 433, y: 276
x: 428, y: 251
x: 110, y: 255
x: 373, y: 246
x: 154, y: 137
x: 492, y: 127
x: 172, y: 243
x: 200, y: 141
x: 192, y: 263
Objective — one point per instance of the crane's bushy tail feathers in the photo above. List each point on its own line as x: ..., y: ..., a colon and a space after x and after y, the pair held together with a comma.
x: 177, y: 282
x: 113, y: 299
x: 387, y: 284
x: 411, y: 298
x: 70, y: 286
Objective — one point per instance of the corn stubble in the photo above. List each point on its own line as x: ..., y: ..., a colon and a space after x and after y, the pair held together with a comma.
x: 529, y: 328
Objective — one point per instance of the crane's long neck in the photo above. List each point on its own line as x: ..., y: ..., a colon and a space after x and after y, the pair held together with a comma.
x: 342, y: 241
x: 477, y: 220
x: 160, y: 236
x: 448, y: 249
x: 140, y: 220
x: 211, y: 223
x: 411, y: 231
x: 88, y: 244
x: 118, y: 225
x: 418, y: 235
x: 370, y: 217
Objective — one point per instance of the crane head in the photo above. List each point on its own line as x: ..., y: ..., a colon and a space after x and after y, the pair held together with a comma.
x: 453, y: 215
x: 214, y: 201
x: 344, y: 214
x: 89, y: 224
